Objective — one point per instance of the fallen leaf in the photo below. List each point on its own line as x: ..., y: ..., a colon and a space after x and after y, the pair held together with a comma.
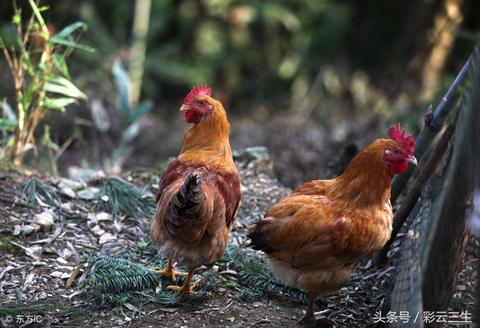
x: 72, y: 277
x: 17, y: 230
x: 56, y: 274
x: 106, y: 237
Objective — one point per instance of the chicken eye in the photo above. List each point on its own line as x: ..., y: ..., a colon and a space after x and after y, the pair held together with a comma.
x: 201, y: 103
x: 396, y: 151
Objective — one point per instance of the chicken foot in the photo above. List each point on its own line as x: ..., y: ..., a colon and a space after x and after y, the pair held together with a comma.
x: 309, y: 316
x: 170, y: 271
x: 187, y: 287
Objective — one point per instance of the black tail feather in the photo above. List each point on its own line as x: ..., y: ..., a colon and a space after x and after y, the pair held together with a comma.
x: 185, y: 201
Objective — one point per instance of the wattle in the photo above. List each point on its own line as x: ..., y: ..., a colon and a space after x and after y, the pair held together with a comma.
x: 193, y: 117
x: 398, y: 167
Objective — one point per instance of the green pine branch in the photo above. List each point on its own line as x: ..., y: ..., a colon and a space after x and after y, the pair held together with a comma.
x: 124, y: 198
x: 34, y: 189
x: 128, y: 278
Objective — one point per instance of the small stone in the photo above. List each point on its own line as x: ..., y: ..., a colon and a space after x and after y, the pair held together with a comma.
x: 68, y: 192
x: 71, y: 184
x: 89, y: 193
x: 45, y: 220
x: 97, y: 230
x: 104, y: 216
x: 17, y: 230
x: 106, y: 237
x: 243, y: 188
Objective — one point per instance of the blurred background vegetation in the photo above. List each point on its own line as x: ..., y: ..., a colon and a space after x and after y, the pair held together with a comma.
x: 313, y: 80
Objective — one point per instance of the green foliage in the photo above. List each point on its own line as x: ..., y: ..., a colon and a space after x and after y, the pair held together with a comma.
x: 127, y: 277
x: 37, y: 62
x: 124, y: 198
x: 255, y: 275
x: 130, y: 113
x: 111, y: 274
x: 116, y: 280
x: 36, y: 192
x: 224, y: 43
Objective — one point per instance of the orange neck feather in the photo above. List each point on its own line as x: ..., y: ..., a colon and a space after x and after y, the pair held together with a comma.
x: 366, y: 180
x: 207, y: 142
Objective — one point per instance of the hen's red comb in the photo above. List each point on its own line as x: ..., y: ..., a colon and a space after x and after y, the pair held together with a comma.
x: 406, y: 141
x: 197, y: 91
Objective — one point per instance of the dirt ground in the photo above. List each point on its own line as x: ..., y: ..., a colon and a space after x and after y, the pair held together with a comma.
x: 44, y: 248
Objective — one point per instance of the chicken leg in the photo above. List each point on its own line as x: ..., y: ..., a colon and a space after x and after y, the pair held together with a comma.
x: 170, y: 271
x: 309, y: 314
x: 187, y: 287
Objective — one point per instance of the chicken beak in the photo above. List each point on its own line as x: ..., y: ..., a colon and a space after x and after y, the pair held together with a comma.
x: 412, y: 160
x: 184, y: 108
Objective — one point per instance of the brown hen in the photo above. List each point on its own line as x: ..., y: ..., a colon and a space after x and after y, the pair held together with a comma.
x: 199, y: 192
x: 315, y: 237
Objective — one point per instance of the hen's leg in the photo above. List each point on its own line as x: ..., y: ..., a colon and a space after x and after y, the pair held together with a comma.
x: 309, y: 314
x: 170, y: 271
x: 187, y: 287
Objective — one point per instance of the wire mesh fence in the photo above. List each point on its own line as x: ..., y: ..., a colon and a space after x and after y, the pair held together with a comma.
x: 435, y: 233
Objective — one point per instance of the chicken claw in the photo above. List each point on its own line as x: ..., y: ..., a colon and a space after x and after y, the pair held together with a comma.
x: 170, y: 271
x: 187, y: 287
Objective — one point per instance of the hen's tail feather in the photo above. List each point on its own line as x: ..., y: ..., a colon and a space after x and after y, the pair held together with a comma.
x: 185, y: 201
x: 257, y: 234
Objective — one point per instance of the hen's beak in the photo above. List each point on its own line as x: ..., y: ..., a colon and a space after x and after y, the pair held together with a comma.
x: 411, y: 159
x: 184, y: 108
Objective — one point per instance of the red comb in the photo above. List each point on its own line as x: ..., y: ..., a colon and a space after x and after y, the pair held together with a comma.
x: 405, y: 140
x: 197, y: 91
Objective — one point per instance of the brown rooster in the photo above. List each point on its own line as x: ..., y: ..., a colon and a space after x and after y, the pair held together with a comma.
x: 315, y: 237
x: 199, y: 192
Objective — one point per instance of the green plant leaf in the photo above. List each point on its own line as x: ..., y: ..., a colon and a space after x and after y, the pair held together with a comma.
x: 17, y: 19
x: 282, y: 15
x: 64, y: 87
x: 140, y: 111
x: 40, y: 20
x: 7, y: 125
x: 68, y: 30
x: 47, y: 140
x: 60, y: 63
x: 70, y: 43
x: 59, y: 103
x: 122, y: 84
x: 8, y: 112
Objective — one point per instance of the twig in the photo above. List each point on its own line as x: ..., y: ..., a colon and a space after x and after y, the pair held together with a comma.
x: 433, y: 124
x: 402, y: 214
x: 13, y: 202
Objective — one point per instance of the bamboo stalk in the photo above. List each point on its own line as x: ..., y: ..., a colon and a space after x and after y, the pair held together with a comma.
x: 139, y: 45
